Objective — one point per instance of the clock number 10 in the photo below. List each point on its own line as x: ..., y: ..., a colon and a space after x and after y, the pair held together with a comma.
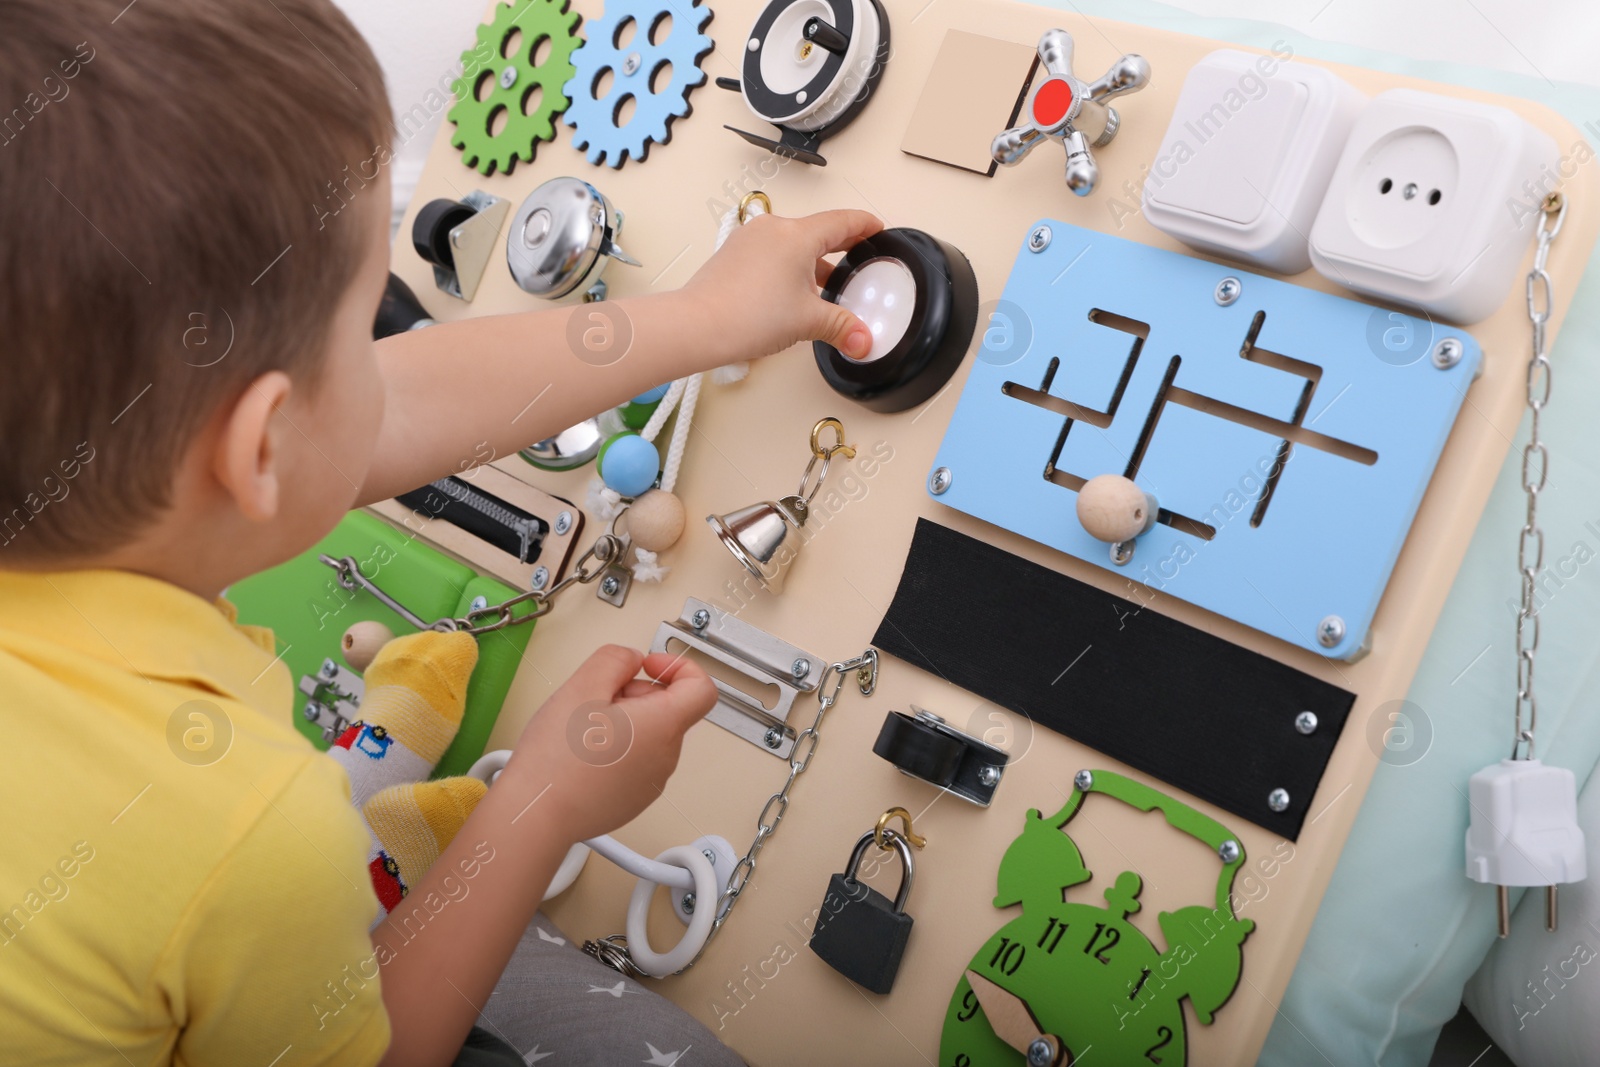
x: 1008, y: 956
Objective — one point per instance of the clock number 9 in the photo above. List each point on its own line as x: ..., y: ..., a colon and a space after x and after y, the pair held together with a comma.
x: 969, y: 1007
x: 1008, y: 957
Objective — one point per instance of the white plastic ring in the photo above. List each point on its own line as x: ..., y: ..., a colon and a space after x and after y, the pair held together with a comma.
x: 707, y: 893
x: 568, y: 872
x: 489, y: 765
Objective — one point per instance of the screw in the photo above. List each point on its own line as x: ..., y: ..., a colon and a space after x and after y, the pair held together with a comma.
x: 609, y: 585
x: 1227, y: 291
x: 563, y: 522
x: 700, y: 619
x: 1306, y: 722
x: 508, y: 77
x: 1228, y: 851
x: 1041, y: 1053
x: 631, y: 64
x: 1447, y: 353
x: 939, y: 481
x: 312, y: 711
x: 1083, y: 780
x: 709, y: 855
x: 1039, y: 239
x: 330, y: 669
x: 688, y: 903
x: 1330, y: 631
x: 478, y: 603
x: 1278, y: 800
x: 541, y: 578
x: 989, y: 774
x: 773, y: 737
x: 800, y: 668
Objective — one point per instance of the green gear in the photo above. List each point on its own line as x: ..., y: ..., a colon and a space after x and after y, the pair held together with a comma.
x: 506, y: 82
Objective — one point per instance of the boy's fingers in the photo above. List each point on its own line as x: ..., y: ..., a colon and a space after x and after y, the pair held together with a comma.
x: 686, y: 697
x: 638, y: 687
x: 606, y: 671
x: 842, y: 330
x: 824, y: 270
x: 835, y: 231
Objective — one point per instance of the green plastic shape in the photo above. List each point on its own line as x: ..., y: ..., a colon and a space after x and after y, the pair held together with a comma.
x: 504, y: 84
x: 1089, y: 976
x: 309, y: 611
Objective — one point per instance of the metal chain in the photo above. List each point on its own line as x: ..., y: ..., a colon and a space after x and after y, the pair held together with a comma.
x: 606, y: 548
x: 1535, y: 473
x: 613, y: 951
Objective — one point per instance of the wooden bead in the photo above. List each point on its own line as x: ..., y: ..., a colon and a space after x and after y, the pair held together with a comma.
x: 362, y: 641
x: 1114, y: 509
x: 655, y: 521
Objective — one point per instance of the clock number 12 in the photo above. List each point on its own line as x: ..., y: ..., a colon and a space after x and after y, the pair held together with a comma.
x: 1113, y: 935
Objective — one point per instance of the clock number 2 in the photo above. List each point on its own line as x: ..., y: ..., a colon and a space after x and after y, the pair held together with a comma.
x: 1113, y: 935
x: 1008, y: 957
x: 1166, y: 1039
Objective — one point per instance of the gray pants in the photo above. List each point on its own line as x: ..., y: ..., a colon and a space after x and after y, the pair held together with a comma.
x: 554, y: 1002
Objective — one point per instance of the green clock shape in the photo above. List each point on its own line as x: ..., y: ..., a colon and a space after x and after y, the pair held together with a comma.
x: 1065, y: 977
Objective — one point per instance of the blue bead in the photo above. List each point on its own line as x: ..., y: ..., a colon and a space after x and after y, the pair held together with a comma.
x: 650, y: 396
x: 629, y: 465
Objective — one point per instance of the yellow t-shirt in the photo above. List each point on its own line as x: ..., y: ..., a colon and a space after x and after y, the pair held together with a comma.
x: 182, y: 877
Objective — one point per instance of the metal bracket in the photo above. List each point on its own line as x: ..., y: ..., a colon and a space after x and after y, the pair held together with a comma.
x: 334, y: 694
x: 764, y: 659
x: 472, y: 245
x: 616, y: 581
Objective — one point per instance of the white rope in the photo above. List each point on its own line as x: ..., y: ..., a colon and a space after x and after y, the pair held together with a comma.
x: 683, y: 396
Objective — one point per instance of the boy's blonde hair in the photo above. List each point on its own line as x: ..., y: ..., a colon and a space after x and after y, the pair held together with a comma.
x: 166, y: 171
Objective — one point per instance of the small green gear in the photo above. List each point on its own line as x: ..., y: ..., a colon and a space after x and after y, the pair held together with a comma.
x: 499, y: 77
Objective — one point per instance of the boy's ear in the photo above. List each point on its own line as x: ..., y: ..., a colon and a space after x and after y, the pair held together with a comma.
x: 247, y: 457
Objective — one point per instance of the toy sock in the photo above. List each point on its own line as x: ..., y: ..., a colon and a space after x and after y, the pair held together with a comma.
x: 416, y: 688
x: 411, y: 825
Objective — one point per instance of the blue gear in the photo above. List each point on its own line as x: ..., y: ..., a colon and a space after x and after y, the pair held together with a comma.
x: 594, y: 120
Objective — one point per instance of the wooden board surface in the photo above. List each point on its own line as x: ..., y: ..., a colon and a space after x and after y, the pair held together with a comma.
x: 757, y: 986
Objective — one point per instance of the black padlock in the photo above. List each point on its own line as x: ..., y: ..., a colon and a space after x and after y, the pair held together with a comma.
x: 859, y: 932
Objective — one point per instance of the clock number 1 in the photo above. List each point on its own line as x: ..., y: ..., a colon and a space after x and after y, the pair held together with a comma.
x: 1008, y: 957
x: 1113, y: 935
x: 1055, y: 927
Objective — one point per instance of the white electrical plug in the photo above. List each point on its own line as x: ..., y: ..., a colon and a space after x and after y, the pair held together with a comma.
x: 1524, y: 831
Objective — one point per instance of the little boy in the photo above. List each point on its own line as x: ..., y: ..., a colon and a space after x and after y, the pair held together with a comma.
x: 191, y: 395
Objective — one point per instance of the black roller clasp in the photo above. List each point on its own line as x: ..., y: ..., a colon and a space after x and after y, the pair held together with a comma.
x: 919, y: 296
x: 924, y: 746
x: 430, y: 230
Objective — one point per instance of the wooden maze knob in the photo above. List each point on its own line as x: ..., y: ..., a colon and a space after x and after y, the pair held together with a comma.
x: 1114, y: 509
x: 362, y: 641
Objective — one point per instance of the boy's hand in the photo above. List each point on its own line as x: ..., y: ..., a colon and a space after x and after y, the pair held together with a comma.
x: 760, y: 289
x: 602, y: 747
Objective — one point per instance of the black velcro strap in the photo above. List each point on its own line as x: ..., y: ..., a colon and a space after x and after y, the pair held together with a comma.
x: 1209, y: 717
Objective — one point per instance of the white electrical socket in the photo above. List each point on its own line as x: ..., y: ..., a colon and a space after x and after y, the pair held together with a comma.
x: 1248, y: 155
x: 1433, y: 203
x: 1524, y: 831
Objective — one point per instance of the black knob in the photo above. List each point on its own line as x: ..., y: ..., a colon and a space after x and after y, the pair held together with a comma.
x: 399, y: 311
x: 825, y: 35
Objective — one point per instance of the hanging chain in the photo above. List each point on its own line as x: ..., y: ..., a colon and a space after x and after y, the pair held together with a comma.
x: 613, y: 951
x: 590, y: 566
x: 1535, y: 474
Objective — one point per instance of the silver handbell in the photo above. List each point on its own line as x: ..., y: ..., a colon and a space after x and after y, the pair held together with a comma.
x: 764, y: 537
x: 1065, y: 109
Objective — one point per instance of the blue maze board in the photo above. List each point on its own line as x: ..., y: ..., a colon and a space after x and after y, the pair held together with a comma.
x: 1288, y: 436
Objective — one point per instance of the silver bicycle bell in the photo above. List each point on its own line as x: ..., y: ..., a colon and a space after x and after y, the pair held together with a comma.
x: 561, y: 238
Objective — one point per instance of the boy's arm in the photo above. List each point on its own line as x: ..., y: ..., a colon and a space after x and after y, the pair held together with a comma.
x: 442, y: 949
x: 463, y: 393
